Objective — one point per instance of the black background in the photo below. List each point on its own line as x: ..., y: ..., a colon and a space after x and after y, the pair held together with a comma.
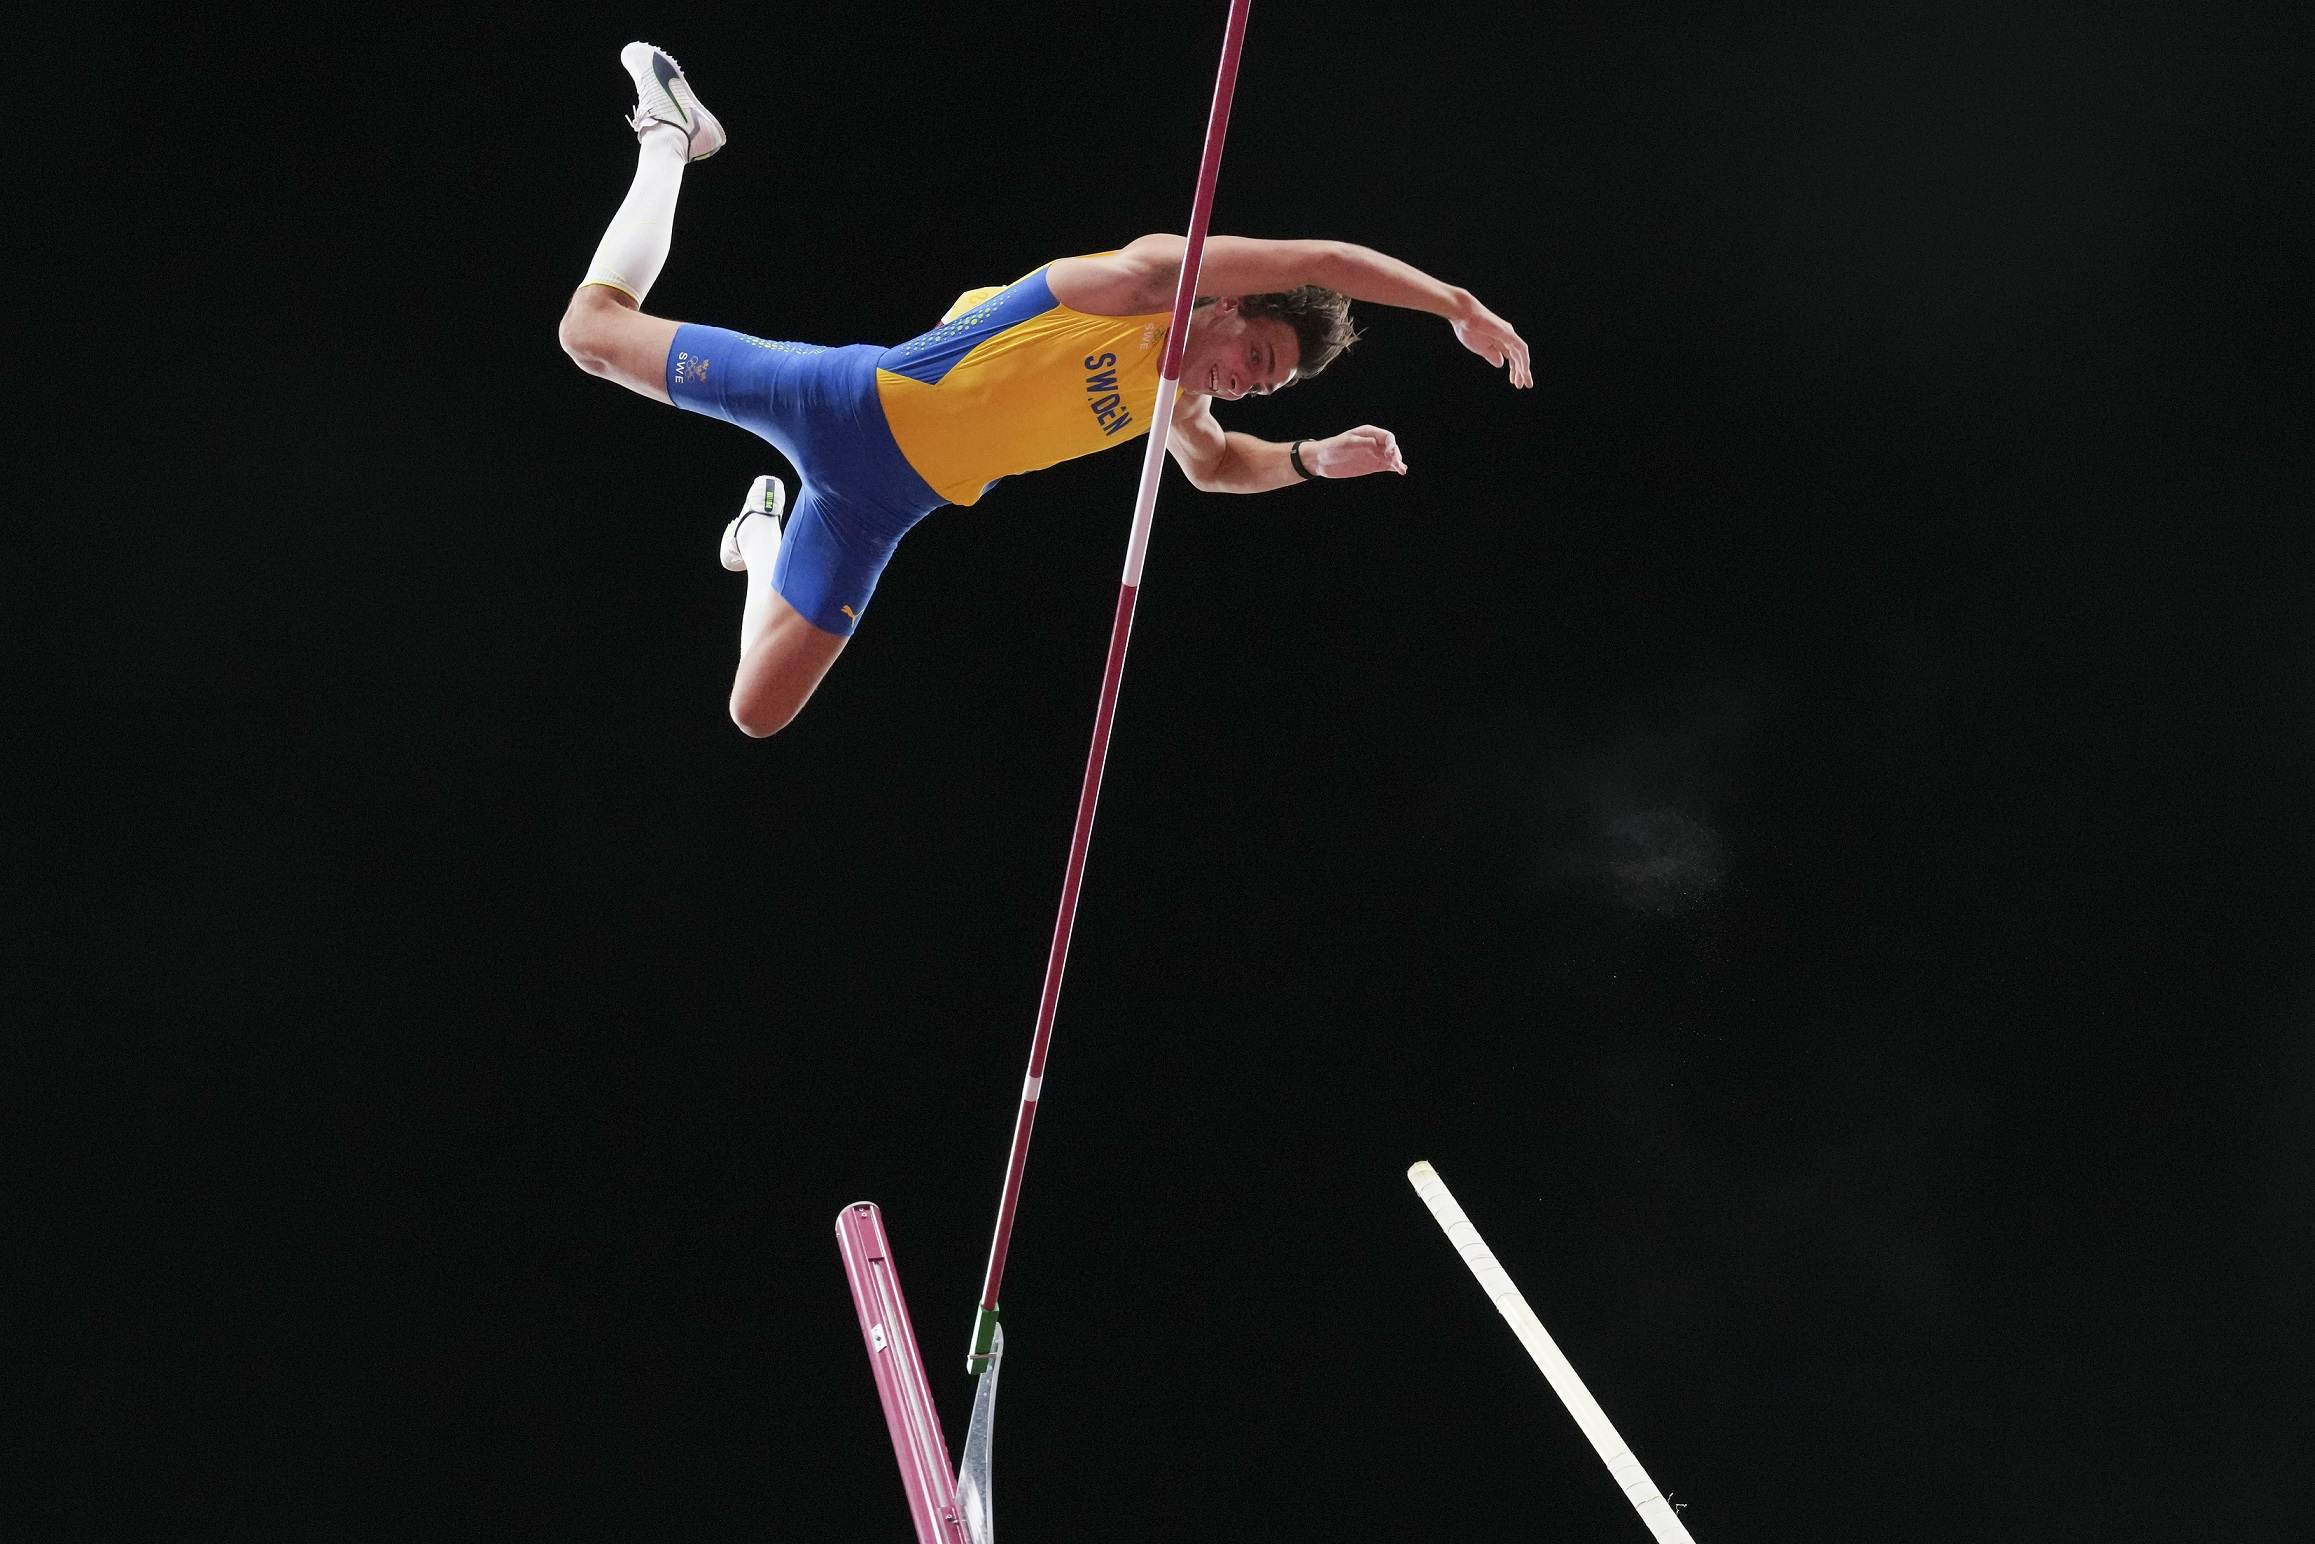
x: 1801, y: 817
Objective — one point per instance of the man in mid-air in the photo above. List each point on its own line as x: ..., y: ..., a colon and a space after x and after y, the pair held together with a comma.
x: 1056, y: 365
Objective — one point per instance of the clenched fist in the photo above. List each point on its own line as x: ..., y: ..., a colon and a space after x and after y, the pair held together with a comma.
x: 1356, y: 453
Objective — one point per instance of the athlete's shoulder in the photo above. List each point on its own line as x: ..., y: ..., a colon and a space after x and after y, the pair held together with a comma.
x: 1121, y: 282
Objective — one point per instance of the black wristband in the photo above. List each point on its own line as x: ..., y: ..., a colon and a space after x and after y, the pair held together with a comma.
x: 1294, y: 454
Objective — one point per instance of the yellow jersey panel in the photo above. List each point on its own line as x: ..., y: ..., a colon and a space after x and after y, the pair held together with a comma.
x: 1012, y: 380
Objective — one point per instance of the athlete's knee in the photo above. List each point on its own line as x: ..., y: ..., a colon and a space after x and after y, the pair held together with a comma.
x: 783, y: 658
x: 757, y: 724
x: 587, y: 328
x: 760, y: 716
x: 582, y: 340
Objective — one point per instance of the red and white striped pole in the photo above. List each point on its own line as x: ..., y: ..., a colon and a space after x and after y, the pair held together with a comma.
x: 1137, y: 545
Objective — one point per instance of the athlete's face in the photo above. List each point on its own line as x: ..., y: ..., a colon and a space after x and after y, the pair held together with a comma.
x: 1231, y: 354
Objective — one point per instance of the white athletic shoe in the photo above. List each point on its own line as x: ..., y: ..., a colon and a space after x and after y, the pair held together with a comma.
x: 662, y: 95
x: 767, y: 496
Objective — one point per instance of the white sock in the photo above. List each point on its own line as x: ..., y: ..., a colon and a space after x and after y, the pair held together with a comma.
x: 634, y: 249
x: 759, y: 541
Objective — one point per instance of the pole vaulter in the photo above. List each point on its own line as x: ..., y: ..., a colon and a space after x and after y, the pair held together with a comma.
x: 1064, y: 362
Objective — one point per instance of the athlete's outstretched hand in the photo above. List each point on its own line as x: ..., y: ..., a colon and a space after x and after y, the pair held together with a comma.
x: 1491, y: 338
x: 1357, y: 452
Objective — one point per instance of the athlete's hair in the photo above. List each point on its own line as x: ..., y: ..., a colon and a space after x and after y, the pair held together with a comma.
x: 1320, y: 319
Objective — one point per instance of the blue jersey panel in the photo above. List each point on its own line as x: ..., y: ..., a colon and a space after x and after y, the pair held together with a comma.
x: 932, y: 355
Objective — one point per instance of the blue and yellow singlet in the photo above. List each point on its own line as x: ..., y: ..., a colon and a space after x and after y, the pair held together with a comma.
x: 1013, y: 380
x: 1010, y: 381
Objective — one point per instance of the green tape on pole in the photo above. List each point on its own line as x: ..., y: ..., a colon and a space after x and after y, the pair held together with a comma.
x: 984, y: 1337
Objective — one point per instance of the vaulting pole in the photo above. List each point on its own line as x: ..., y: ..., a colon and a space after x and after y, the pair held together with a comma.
x: 1662, y: 1518
x: 1137, y: 546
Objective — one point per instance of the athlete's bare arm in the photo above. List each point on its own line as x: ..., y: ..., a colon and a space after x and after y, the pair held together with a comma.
x: 1217, y: 460
x: 1141, y: 276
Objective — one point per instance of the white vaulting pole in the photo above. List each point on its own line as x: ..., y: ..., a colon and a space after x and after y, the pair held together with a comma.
x: 1641, y: 1491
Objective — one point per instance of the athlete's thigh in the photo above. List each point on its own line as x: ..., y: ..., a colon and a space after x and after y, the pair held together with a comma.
x: 806, y: 400
x: 831, y: 555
